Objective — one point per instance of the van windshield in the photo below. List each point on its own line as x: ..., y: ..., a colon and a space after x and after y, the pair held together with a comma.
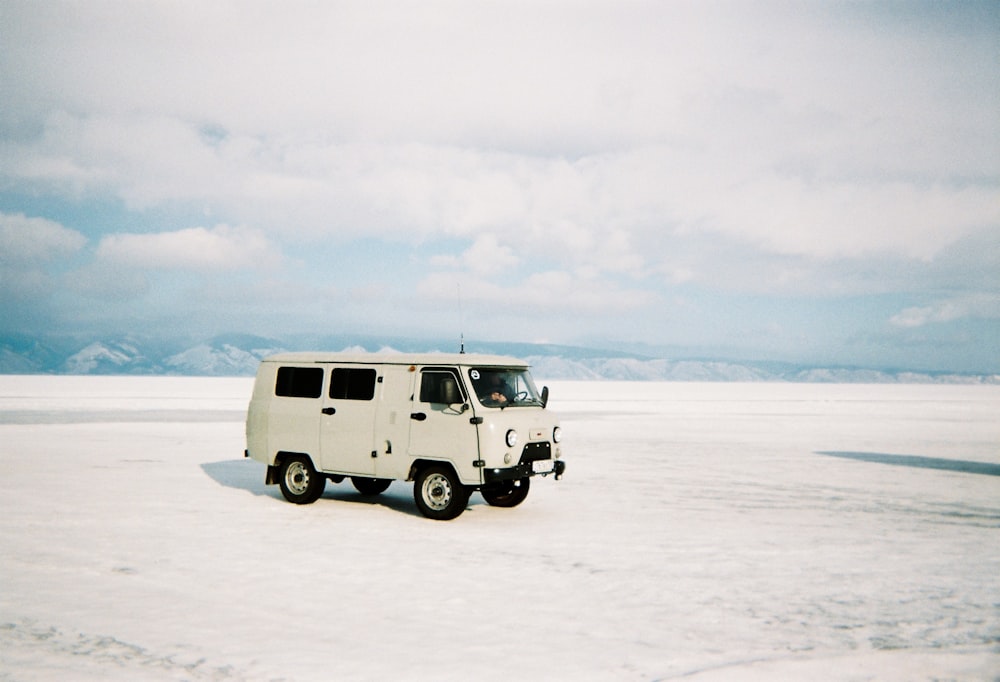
x: 504, y: 387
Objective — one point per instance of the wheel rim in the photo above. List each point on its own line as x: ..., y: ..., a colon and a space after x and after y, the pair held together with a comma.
x: 297, y: 478
x: 437, y: 492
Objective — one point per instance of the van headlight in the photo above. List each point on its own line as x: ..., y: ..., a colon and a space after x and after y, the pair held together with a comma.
x: 511, y: 438
x: 556, y: 434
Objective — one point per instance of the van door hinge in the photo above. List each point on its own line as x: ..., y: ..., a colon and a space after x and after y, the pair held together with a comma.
x: 476, y: 421
x: 479, y: 463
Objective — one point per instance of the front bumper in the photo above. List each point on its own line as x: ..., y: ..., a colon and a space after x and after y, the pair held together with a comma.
x: 522, y: 470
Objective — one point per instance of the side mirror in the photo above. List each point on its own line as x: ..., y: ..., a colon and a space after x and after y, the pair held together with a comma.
x: 545, y: 396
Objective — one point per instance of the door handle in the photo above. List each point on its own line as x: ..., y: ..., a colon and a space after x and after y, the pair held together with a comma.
x: 329, y: 410
x: 418, y: 416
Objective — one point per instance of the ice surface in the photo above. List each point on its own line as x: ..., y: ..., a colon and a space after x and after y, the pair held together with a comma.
x: 702, y: 531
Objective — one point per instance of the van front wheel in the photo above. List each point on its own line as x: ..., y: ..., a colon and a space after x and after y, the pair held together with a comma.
x: 439, y: 494
x: 299, y: 481
x: 507, y: 493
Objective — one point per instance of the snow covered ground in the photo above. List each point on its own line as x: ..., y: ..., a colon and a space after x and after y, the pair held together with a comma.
x: 702, y: 532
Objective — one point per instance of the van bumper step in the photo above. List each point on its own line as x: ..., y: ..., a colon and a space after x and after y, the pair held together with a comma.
x: 522, y: 470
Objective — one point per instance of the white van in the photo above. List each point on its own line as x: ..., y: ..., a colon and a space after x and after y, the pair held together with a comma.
x: 452, y: 423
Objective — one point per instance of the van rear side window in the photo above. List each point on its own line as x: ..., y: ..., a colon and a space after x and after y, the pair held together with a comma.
x: 352, y: 383
x: 299, y: 382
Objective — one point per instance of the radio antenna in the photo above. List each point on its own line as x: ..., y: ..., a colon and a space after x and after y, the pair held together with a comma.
x: 461, y: 322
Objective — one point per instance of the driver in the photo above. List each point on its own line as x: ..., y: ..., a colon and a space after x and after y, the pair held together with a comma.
x: 496, y: 391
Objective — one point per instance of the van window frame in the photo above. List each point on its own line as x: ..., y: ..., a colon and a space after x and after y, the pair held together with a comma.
x: 456, y: 375
x: 523, y: 382
x: 295, y: 381
x: 356, y: 378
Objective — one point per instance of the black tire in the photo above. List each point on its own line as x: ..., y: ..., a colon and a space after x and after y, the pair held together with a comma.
x: 439, y: 494
x: 300, y: 483
x: 507, y: 493
x: 370, y: 486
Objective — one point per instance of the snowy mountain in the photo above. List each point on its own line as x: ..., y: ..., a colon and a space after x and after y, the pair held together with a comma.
x: 239, y: 355
x: 206, y: 360
x: 637, y: 369
x: 12, y: 362
x: 109, y: 358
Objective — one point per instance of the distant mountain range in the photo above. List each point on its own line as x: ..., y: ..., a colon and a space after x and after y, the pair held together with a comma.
x: 239, y: 355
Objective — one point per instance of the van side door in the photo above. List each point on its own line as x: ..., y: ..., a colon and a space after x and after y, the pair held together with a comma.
x: 442, y: 422
x: 347, y: 422
x: 392, y: 421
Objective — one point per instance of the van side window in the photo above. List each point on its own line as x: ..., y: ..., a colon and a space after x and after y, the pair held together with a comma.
x: 299, y: 382
x: 352, y: 383
x: 440, y: 386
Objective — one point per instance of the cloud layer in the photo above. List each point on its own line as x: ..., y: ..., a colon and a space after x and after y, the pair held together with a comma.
x: 197, y: 248
x: 623, y: 161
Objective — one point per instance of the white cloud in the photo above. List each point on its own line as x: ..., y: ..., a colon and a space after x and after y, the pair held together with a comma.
x: 981, y: 306
x: 584, y: 131
x: 197, y: 248
x: 602, y: 211
x: 486, y: 256
x: 547, y: 293
x: 31, y: 249
x: 855, y: 219
x: 32, y: 241
x: 438, y: 69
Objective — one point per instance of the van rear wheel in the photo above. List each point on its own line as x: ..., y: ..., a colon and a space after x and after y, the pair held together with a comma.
x: 299, y: 481
x: 507, y: 493
x: 370, y: 486
x: 439, y: 494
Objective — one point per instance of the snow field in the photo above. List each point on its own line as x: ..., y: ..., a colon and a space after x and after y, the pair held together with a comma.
x: 700, y: 533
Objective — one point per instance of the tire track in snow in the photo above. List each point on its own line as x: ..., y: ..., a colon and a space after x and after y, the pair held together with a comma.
x: 28, y: 645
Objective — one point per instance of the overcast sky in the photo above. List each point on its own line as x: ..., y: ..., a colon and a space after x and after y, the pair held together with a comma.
x: 814, y: 181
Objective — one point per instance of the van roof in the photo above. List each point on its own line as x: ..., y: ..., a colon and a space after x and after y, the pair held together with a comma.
x: 398, y: 359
